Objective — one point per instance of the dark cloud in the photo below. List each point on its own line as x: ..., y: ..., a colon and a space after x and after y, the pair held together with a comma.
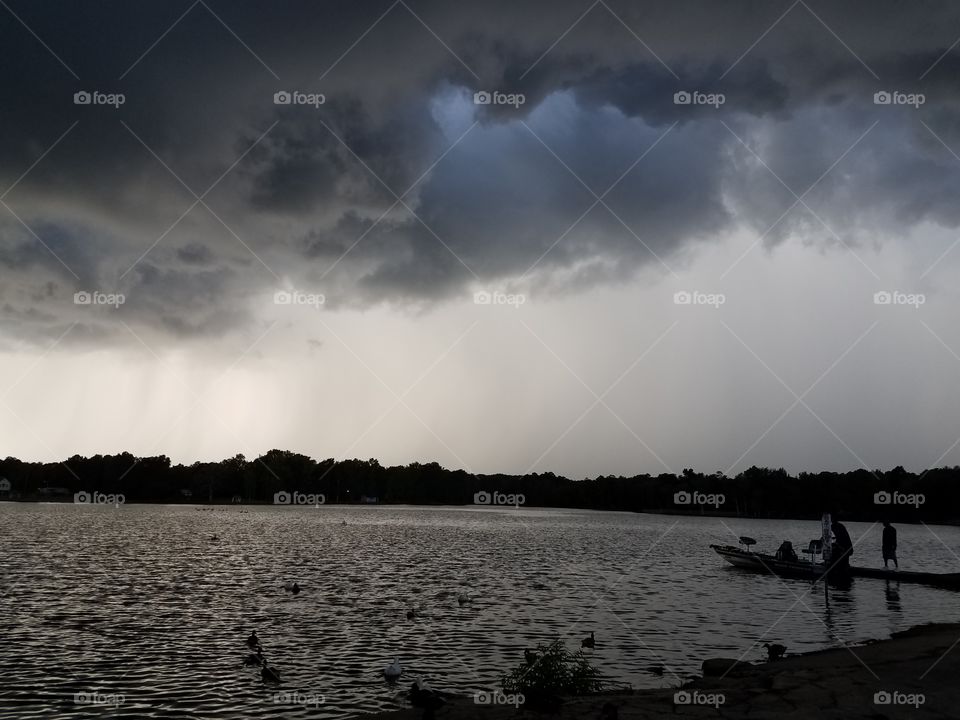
x: 195, y: 253
x: 293, y: 188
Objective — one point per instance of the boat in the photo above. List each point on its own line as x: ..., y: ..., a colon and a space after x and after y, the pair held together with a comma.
x: 745, y: 558
x: 771, y: 564
x: 765, y: 563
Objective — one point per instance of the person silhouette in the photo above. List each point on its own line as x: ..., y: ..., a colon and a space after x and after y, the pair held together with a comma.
x: 842, y: 550
x: 786, y: 552
x: 890, y: 545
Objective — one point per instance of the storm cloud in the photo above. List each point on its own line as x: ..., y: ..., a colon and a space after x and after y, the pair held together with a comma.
x: 199, y: 195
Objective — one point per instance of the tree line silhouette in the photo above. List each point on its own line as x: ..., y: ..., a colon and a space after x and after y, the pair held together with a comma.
x: 755, y: 492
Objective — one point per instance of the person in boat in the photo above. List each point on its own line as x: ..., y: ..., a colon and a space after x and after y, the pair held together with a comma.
x: 890, y: 545
x: 786, y: 551
x: 842, y: 549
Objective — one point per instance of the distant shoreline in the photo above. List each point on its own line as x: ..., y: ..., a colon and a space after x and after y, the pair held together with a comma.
x: 918, y: 665
x: 286, y: 477
x: 853, y: 517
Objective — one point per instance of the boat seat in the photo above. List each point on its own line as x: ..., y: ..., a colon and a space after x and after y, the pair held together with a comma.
x: 813, y: 549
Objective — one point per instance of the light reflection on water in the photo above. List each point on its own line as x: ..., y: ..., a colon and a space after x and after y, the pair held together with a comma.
x: 143, y: 602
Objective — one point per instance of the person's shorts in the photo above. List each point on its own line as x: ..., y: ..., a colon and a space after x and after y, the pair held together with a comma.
x: 889, y: 554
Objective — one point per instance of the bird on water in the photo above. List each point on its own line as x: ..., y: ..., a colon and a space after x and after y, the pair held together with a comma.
x: 393, y: 671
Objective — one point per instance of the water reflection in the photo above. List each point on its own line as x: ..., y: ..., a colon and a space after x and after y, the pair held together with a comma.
x: 892, y: 594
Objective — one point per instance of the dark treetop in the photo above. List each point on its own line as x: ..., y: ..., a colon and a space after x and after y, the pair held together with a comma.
x: 756, y: 492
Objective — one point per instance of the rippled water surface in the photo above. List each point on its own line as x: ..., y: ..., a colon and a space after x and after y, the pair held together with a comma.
x: 153, y: 603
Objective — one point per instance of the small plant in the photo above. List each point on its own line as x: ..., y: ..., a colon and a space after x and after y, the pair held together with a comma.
x: 552, y: 670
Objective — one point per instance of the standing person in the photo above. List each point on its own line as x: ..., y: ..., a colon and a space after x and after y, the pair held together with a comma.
x: 842, y: 549
x: 890, y: 545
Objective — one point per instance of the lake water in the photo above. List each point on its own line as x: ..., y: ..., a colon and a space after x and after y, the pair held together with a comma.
x: 141, y: 602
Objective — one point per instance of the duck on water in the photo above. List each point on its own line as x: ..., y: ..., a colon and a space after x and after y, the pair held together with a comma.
x: 267, y: 673
x: 393, y: 671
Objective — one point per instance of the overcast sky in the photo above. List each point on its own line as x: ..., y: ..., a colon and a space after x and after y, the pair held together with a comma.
x: 659, y: 245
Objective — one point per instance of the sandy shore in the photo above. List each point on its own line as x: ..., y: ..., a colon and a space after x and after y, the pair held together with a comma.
x: 917, y: 671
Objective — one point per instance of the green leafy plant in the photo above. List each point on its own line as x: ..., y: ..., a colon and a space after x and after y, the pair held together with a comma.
x: 553, y: 670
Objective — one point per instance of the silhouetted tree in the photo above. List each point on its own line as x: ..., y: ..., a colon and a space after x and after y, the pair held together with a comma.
x: 755, y: 492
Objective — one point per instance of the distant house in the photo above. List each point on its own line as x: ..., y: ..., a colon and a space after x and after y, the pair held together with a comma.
x: 369, y: 499
x: 186, y: 492
x: 4, y: 486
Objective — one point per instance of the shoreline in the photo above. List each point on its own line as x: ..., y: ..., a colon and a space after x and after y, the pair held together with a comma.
x: 665, y: 512
x: 909, y: 675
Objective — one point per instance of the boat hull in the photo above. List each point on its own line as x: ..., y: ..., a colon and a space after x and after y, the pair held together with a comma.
x: 770, y: 565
